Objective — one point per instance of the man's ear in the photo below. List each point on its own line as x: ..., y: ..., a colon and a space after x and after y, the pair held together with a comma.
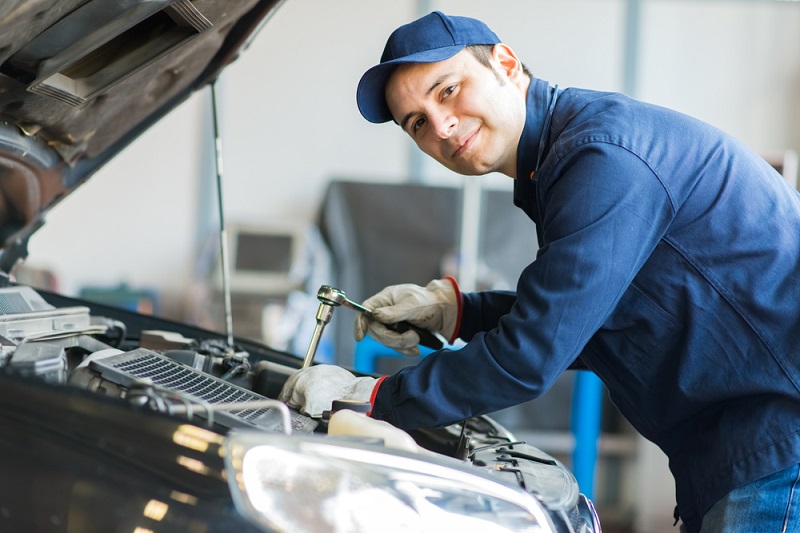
x: 507, y: 61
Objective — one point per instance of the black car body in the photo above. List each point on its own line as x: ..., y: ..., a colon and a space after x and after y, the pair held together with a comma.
x: 87, y: 447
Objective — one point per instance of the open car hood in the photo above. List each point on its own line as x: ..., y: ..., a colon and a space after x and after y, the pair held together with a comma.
x: 81, y: 79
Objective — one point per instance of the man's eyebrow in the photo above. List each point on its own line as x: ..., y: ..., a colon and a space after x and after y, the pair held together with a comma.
x: 438, y: 81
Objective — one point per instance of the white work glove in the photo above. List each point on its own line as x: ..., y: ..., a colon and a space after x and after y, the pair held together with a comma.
x: 313, y: 389
x: 435, y: 307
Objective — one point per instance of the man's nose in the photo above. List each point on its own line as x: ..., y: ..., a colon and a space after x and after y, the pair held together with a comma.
x: 444, y: 124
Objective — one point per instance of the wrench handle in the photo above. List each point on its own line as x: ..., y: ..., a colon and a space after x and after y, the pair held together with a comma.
x: 426, y: 338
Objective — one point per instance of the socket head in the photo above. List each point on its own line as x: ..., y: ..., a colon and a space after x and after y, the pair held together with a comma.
x: 331, y: 296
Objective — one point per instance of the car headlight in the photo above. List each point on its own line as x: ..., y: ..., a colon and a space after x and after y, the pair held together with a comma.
x: 314, y: 483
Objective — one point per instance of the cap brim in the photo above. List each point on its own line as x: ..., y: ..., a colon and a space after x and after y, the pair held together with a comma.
x: 371, y: 91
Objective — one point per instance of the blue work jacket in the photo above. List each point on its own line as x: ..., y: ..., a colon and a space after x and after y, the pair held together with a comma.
x: 669, y: 262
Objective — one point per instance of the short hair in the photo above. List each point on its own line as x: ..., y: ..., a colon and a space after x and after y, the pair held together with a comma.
x: 483, y: 53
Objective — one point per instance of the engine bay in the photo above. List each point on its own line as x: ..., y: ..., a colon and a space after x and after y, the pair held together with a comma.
x: 166, y: 370
x: 196, y: 377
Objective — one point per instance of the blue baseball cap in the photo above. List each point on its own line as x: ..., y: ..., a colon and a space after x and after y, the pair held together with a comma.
x: 432, y: 38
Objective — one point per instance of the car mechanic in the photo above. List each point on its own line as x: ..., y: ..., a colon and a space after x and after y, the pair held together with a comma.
x: 668, y: 264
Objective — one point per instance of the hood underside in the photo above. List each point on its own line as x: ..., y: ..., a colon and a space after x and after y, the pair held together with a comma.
x: 80, y: 79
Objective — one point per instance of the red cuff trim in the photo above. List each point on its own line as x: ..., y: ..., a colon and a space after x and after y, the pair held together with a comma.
x: 375, y: 393
x: 452, y: 280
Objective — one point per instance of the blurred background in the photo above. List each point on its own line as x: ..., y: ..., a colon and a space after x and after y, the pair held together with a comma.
x: 313, y: 194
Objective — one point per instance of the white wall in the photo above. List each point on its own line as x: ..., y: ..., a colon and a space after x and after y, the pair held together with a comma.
x: 735, y: 64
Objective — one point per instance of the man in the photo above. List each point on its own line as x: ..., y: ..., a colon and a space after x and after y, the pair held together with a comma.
x: 669, y: 263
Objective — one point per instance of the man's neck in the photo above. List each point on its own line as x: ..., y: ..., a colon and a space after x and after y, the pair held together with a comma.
x: 510, y: 169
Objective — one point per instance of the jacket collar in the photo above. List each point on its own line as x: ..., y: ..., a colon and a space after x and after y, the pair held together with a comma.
x: 536, y: 109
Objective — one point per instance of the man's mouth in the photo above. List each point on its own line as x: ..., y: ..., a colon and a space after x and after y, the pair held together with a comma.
x: 466, y: 144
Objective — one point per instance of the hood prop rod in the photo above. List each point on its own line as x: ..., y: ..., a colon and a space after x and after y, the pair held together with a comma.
x: 223, y: 238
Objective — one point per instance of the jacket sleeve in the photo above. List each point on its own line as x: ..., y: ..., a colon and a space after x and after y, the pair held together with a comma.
x: 482, y: 311
x: 604, y: 211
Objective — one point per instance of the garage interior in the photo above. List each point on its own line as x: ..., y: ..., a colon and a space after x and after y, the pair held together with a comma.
x: 335, y: 200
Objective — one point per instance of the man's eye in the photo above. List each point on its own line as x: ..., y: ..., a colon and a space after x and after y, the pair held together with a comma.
x: 448, y: 91
x: 418, y: 124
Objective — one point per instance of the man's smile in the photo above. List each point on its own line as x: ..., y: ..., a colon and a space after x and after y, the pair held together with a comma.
x: 466, y: 144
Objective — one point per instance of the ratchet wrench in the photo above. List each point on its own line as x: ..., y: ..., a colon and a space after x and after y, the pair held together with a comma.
x: 335, y: 297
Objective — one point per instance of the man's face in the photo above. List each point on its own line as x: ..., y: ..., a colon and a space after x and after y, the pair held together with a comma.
x: 467, y: 117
